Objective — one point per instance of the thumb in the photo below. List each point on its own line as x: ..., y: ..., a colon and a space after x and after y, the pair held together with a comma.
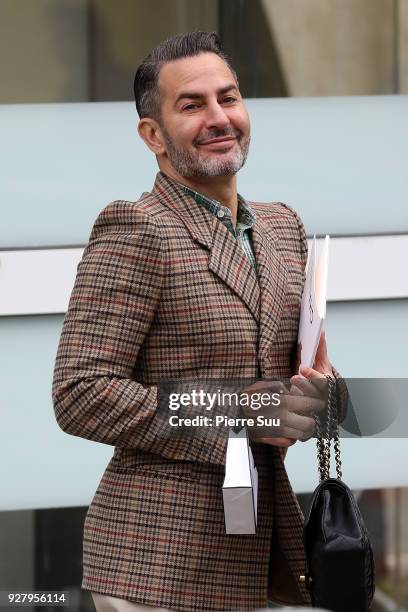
x: 321, y: 352
x: 322, y: 362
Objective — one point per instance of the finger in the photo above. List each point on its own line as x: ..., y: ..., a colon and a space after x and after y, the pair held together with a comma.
x: 322, y: 362
x: 305, y: 425
x: 300, y: 404
x: 321, y: 352
x: 316, y: 378
x: 275, y: 386
x: 311, y: 374
x: 293, y: 425
x: 282, y: 442
x: 296, y: 434
x: 305, y: 386
x: 296, y: 389
x: 302, y: 435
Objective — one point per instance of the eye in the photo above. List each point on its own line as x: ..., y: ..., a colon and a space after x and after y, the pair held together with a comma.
x: 191, y: 106
x: 229, y: 99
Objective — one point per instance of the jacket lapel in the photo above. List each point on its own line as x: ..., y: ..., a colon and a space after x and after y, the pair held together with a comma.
x: 272, y: 277
x: 229, y: 263
x: 226, y: 258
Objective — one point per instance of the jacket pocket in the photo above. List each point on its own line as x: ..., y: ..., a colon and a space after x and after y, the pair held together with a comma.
x: 133, y: 461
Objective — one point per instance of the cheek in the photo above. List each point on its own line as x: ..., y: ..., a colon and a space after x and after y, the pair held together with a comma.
x: 241, y: 121
x: 188, y: 133
x: 185, y: 132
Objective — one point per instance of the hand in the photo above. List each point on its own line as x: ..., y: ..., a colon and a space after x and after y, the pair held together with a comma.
x: 295, y: 411
x: 307, y: 396
x: 312, y: 381
x: 311, y: 387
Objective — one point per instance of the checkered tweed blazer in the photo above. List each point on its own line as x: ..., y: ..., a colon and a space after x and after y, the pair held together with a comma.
x: 164, y: 291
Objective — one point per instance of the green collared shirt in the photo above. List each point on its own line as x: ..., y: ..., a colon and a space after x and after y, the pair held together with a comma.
x: 245, y: 219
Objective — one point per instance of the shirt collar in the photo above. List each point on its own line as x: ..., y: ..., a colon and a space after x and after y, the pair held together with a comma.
x: 245, y: 214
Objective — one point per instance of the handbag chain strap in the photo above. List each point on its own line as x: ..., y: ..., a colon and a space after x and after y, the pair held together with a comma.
x: 323, y: 441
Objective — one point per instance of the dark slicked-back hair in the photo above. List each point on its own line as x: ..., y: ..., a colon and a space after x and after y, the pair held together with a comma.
x: 147, y: 95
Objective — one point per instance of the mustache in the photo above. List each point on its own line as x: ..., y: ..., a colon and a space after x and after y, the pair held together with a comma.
x: 217, y: 133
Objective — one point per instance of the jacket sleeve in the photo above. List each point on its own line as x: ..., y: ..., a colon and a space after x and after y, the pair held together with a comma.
x: 111, y: 308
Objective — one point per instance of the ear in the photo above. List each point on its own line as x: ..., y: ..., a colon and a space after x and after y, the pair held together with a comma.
x: 149, y: 130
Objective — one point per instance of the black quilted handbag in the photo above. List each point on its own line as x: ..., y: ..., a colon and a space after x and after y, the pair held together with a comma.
x: 339, y: 558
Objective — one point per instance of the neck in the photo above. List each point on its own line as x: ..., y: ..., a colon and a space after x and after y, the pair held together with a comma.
x: 220, y: 188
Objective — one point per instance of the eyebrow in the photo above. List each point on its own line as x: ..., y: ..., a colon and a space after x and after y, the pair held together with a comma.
x: 193, y: 95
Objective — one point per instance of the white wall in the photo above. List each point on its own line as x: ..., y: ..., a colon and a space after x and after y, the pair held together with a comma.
x: 339, y: 161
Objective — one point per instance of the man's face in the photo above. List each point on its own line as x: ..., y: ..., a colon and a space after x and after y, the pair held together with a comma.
x: 204, y: 121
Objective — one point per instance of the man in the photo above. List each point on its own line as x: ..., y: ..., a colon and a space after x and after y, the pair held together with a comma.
x: 190, y: 282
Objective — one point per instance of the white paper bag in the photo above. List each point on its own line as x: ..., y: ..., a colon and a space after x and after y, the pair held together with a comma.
x: 240, y: 488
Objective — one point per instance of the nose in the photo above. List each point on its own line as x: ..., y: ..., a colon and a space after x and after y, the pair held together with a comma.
x: 216, y: 116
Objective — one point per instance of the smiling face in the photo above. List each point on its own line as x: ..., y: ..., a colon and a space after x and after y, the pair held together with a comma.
x: 204, y: 128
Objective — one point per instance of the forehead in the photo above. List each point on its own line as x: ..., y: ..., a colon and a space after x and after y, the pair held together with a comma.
x: 201, y: 74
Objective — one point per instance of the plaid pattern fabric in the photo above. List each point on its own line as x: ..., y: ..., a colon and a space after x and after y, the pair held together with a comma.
x: 245, y: 219
x: 164, y: 292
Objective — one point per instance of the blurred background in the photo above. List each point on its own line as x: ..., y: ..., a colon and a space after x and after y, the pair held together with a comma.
x: 87, y: 50
x: 326, y: 83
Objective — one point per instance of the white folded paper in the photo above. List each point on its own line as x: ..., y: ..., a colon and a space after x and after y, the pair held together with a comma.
x: 240, y: 488
x: 313, y: 308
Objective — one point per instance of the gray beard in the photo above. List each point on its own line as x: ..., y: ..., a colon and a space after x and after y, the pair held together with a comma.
x: 192, y: 165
